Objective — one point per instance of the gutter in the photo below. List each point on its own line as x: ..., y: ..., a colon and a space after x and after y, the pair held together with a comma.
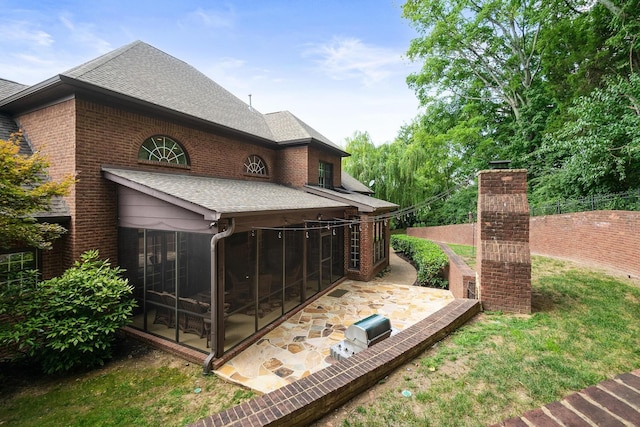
x: 208, y: 362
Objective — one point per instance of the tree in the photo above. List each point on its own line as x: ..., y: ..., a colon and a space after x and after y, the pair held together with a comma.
x: 598, y: 149
x: 471, y: 44
x: 25, y: 190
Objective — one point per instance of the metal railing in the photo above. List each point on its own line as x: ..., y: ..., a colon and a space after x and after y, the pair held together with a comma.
x: 626, y: 201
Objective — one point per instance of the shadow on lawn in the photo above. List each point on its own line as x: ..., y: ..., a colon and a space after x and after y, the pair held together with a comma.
x: 24, y: 374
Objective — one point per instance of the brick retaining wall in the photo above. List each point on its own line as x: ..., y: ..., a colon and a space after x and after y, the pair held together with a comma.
x: 605, y: 239
x: 459, y: 275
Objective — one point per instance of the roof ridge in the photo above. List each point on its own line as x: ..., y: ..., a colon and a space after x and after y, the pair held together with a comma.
x: 87, y: 67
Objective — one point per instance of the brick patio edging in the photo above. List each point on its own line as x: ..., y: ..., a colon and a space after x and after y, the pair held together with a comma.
x: 310, y: 398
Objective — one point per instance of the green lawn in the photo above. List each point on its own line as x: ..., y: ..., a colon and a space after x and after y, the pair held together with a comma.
x: 141, y: 388
x: 584, y: 329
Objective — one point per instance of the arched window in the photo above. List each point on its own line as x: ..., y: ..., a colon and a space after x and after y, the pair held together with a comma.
x: 255, y: 165
x: 161, y: 148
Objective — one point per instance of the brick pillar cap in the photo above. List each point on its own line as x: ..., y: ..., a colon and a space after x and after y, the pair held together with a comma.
x: 502, y: 171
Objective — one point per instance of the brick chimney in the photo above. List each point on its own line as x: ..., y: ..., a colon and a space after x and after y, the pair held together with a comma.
x: 503, y: 260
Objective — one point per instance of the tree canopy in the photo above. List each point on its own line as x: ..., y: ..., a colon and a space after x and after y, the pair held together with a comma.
x: 550, y: 85
x: 26, y: 190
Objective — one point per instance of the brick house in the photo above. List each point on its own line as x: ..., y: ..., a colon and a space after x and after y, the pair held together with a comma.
x: 224, y: 218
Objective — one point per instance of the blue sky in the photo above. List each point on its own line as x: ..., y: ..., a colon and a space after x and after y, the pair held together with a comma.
x: 338, y: 65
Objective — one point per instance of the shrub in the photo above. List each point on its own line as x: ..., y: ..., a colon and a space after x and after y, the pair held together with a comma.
x: 427, y: 257
x: 71, y: 321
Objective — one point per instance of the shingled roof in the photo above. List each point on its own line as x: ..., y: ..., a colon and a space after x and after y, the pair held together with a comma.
x: 58, y: 209
x: 8, y: 88
x: 289, y: 129
x: 353, y: 185
x: 219, y: 196
x: 146, y: 75
x: 363, y: 202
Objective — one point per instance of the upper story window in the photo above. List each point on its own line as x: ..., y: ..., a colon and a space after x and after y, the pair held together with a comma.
x: 161, y: 148
x: 325, y: 175
x: 255, y: 165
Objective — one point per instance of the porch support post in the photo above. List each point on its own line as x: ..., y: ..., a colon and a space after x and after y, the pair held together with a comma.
x: 216, y: 303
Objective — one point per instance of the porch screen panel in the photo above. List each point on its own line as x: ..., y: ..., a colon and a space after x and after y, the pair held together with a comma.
x: 294, y: 267
x: 170, y: 274
x: 268, y: 281
x: 337, y: 267
x: 312, y: 285
x: 239, y: 296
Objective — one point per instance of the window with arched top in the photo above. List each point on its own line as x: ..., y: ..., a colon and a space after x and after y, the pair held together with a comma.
x: 160, y: 148
x: 255, y: 165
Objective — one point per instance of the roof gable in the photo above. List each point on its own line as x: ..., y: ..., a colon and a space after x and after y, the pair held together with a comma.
x: 141, y: 71
x: 287, y: 128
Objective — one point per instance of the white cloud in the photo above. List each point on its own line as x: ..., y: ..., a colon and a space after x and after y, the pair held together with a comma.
x: 85, y: 34
x: 24, y: 32
x: 350, y: 58
x: 209, y: 18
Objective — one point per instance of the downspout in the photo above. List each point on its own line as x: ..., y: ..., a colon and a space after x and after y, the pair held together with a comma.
x: 206, y: 368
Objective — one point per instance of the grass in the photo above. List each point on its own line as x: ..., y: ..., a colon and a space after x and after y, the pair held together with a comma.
x: 148, y: 389
x: 467, y: 253
x: 583, y: 330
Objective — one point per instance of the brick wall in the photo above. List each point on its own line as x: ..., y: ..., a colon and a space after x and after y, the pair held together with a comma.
x: 315, y: 156
x: 51, y: 130
x: 368, y: 270
x: 459, y: 275
x: 457, y: 234
x: 80, y: 136
x: 605, y: 239
x: 503, y: 259
x: 292, y: 166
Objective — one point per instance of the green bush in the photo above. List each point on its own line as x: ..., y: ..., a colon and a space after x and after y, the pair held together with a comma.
x: 427, y: 257
x: 70, y: 321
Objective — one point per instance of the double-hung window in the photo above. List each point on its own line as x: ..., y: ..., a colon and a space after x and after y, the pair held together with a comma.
x: 325, y: 175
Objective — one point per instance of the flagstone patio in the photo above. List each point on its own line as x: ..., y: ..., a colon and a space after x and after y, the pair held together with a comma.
x: 301, y: 345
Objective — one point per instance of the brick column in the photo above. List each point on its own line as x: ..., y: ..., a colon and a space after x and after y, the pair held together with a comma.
x: 503, y: 259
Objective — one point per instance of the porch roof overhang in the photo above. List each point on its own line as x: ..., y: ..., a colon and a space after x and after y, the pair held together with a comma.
x: 219, y: 198
x: 363, y: 202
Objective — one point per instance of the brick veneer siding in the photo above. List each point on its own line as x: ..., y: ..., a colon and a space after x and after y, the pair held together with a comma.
x: 503, y: 257
x: 315, y: 156
x: 457, y: 234
x: 606, y: 239
x: 368, y: 270
x: 52, y: 131
x: 80, y: 136
x: 293, y: 164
